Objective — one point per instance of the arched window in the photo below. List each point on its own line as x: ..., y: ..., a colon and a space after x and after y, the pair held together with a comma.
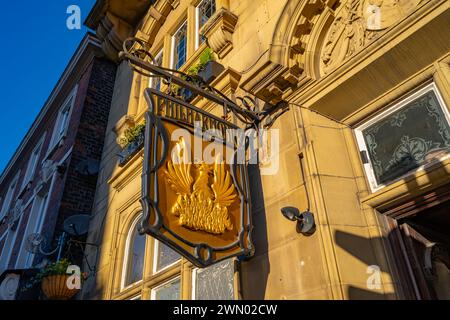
x: 134, y: 256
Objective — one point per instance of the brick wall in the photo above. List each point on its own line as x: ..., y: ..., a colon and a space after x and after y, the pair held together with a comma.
x: 71, y: 192
x: 79, y: 190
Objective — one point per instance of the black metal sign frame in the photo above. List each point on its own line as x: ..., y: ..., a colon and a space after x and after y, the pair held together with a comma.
x: 157, y: 138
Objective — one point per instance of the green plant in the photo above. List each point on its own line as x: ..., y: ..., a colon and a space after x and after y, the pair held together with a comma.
x: 132, y: 134
x: 58, y: 268
x: 206, y: 56
x: 175, y: 89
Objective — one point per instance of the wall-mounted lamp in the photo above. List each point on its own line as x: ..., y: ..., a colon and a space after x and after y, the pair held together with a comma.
x: 306, y: 224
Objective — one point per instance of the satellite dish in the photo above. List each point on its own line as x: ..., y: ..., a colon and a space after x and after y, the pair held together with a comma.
x: 77, y: 225
x: 34, y: 243
x: 88, y: 167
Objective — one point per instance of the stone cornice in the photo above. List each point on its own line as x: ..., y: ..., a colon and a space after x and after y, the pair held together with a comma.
x: 130, y: 11
x: 219, y: 31
x: 114, y: 21
x: 288, y: 69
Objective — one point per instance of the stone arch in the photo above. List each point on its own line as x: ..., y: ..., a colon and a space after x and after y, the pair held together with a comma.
x: 312, y: 38
x: 294, y: 29
x: 287, y: 69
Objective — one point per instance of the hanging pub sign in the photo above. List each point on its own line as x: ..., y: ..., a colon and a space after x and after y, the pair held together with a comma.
x: 195, y: 191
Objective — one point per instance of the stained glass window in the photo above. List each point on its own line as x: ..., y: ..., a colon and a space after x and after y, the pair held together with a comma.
x: 205, y: 11
x: 168, y: 291
x: 407, y: 138
x: 180, y: 46
x: 135, y: 259
x: 215, y: 282
x: 164, y: 256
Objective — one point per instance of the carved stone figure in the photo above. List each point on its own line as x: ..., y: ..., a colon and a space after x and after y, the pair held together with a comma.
x: 346, y: 36
x: 357, y: 23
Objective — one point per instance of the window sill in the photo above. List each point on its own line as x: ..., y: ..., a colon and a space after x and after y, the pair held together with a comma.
x: 25, y: 188
x: 174, y: 266
x: 418, y: 186
x: 52, y: 150
x: 130, y: 291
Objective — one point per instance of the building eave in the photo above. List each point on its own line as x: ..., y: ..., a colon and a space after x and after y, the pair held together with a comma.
x: 130, y: 11
x: 95, y: 15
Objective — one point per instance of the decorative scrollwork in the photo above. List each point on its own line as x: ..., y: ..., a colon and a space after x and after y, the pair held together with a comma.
x: 246, y: 110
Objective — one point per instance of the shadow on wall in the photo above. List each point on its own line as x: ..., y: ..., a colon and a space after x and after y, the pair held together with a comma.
x: 96, y: 286
x: 360, y: 248
x: 259, y: 265
x: 419, y: 239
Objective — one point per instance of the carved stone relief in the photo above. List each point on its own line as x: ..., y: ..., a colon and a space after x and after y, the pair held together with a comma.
x: 356, y: 24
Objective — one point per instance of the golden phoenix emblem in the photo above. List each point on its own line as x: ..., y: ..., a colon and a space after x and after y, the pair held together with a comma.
x: 201, y: 205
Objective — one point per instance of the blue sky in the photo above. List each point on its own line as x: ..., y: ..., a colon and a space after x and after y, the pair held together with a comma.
x: 36, y: 47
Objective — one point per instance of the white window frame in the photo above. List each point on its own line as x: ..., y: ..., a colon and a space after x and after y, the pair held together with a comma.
x: 155, y: 260
x: 127, y: 254
x: 152, y: 80
x: 153, y: 291
x: 195, y: 271
x: 197, y: 23
x: 67, y: 105
x: 194, y: 283
x: 40, y: 219
x: 39, y: 213
x: 3, y: 237
x: 33, y: 162
x: 374, y: 186
x: 172, y: 51
x: 10, y: 242
x: 8, y: 199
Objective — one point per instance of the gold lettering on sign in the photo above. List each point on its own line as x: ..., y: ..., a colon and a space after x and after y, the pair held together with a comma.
x: 201, y: 205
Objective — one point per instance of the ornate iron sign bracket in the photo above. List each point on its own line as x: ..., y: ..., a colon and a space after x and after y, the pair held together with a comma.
x: 202, y: 210
x: 135, y: 51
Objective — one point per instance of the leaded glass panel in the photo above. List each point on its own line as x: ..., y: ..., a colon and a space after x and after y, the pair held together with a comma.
x: 215, y: 282
x: 135, y: 259
x: 169, y: 291
x: 403, y: 140
x: 180, y: 46
x: 206, y: 9
x: 165, y: 256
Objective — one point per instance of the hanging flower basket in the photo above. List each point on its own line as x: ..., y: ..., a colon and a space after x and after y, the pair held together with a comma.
x: 55, y: 288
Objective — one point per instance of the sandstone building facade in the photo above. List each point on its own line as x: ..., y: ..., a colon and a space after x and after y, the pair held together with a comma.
x: 364, y: 147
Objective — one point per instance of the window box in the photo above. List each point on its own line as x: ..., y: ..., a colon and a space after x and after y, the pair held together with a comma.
x: 211, y: 71
x: 55, y: 288
x: 131, y: 149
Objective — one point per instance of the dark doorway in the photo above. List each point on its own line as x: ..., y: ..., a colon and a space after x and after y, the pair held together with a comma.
x: 426, y: 248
